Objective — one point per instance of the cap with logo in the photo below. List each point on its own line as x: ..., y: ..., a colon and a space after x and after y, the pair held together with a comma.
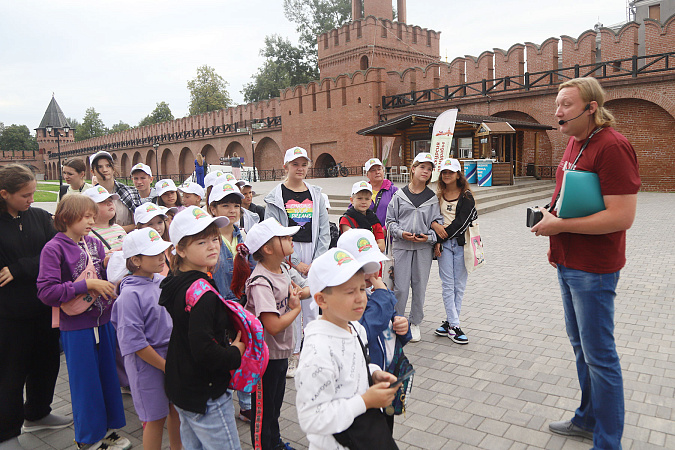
x: 424, y: 157
x: 191, y: 187
x: 334, y: 268
x: 145, y: 241
x: 143, y: 167
x: 451, y: 164
x: 192, y: 220
x: 361, y: 186
x: 211, y: 177
x: 222, y: 190
x: 372, y: 162
x: 362, y: 244
x: 146, y: 212
x: 230, y: 178
x: 164, y: 186
x: 262, y: 232
x: 99, y: 194
x: 294, y: 153
x: 100, y: 154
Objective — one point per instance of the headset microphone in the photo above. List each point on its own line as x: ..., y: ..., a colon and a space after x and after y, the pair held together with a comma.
x: 586, y: 108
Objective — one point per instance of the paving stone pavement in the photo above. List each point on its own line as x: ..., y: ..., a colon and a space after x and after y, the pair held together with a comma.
x: 517, y: 373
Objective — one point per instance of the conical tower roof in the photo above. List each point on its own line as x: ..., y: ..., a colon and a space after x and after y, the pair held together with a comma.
x: 54, y: 117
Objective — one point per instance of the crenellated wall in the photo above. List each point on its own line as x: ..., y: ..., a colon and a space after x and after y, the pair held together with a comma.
x: 510, y: 62
x: 659, y: 38
x: 579, y: 51
x: 542, y: 57
x: 481, y: 68
x: 620, y: 44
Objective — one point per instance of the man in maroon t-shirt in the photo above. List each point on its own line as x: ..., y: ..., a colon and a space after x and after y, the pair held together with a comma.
x: 588, y: 253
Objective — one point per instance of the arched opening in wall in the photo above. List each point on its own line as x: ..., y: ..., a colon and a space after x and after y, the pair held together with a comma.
x: 651, y: 131
x: 136, y: 159
x: 50, y: 171
x: 210, y: 155
x: 236, y: 147
x: 533, y: 151
x: 125, y: 165
x: 151, y: 161
x: 186, y: 161
x: 363, y: 63
x: 168, y: 164
x: 268, y: 157
x: 324, y: 161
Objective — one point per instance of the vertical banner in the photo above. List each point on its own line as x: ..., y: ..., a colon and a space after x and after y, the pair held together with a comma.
x: 387, y: 144
x: 441, y: 139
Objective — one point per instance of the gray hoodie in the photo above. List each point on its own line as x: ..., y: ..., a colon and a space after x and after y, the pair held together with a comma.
x: 403, y: 216
x: 320, y: 226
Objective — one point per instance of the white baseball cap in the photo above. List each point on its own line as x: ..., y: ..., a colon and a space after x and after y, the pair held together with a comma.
x: 362, y: 244
x: 99, y: 194
x: 242, y: 183
x: 361, y: 186
x: 211, y: 177
x: 230, y: 178
x: 335, y: 267
x: 164, y: 186
x: 294, y: 153
x: 97, y: 155
x: 193, y: 220
x: 222, y: 190
x: 144, y: 167
x: 145, y: 241
x: 192, y: 188
x: 424, y: 157
x: 262, y: 232
x: 451, y: 164
x: 146, y: 212
x: 373, y: 162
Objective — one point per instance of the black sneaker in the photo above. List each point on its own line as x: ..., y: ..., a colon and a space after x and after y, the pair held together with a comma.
x: 459, y: 337
x: 444, y: 329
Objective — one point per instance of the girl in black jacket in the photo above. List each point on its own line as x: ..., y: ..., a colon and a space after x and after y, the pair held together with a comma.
x: 459, y: 210
x: 29, y: 346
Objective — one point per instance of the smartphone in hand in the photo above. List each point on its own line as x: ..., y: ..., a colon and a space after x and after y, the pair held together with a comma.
x: 399, y: 381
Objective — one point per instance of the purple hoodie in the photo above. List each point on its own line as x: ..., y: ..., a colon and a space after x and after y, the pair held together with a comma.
x: 388, y: 189
x: 61, y: 262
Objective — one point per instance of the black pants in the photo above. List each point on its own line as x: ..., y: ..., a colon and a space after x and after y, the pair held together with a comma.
x: 274, y: 386
x: 29, y: 356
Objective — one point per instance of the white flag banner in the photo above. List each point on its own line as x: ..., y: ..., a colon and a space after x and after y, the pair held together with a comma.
x: 387, y: 143
x: 441, y: 139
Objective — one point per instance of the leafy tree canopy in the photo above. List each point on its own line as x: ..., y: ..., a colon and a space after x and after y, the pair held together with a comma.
x: 74, y: 123
x: 17, y: 138
x: 161, y: 113
x: 92, y: 126
x: 121, y: 126
x: 285, y: 66
x: 208, y: 91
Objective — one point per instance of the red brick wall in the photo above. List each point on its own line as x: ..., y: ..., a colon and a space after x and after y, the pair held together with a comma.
x: 619, y: 45
x: 580, y: 51
x: 510, y: 62
x: 659, y: 39
x: 480, y: 68
x: 542, y: 57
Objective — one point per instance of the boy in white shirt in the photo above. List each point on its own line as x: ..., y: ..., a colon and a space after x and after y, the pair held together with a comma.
x: 331, y: 379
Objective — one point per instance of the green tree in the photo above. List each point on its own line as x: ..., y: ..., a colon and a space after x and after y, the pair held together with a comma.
x: 121, y: 126
x: 74, y: 123
x: 285, y: 66
x: 92, y: 126
x: 313, y: 17
x: 162, y: 113
x: 17, y: 139
x: 208, y: 91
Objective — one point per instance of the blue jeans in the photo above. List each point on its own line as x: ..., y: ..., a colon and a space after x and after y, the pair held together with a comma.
x: 588, y: 300
x: 215, y: 430
x: 453, y: 275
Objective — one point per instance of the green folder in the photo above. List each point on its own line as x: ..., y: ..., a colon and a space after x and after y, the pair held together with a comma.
x: 580, y: 194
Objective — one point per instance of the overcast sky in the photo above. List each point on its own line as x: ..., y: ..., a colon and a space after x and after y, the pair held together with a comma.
x: 123, y: 57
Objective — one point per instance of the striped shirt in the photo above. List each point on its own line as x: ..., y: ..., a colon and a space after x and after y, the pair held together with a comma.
x: 113, y: 235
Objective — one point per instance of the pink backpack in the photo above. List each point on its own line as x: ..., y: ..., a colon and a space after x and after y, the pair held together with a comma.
x: 255, y: 357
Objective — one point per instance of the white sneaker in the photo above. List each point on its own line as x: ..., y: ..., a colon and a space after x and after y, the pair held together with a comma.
x: 116, y: 441
x: 292, y: 365
x: 415, y: 332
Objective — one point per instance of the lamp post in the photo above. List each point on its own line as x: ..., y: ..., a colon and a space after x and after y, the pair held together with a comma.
x: 58, y: 145
x: 255, y: 179
x: 156, y: 146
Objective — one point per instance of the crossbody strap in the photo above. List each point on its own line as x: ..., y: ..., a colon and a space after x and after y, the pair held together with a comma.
x: 378, y: 197
x: 365, y: 355
x: 101, y: 239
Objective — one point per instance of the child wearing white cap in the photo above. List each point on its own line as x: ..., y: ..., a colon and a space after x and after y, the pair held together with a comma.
x: 192, y: 193
x: 210, y: 180
x: 359, y: 214
x: 458, y: 209
x: 200, y: 355
x: 296, y: 202
x: 273, y: 297
x: 105, y: 229
x: 332, y: 377
x: 167, y: 194
x: 143, y: 331
x: 141, y: 175
x: 410, y: 214
x: 149, y: 215
x: 387, y: 331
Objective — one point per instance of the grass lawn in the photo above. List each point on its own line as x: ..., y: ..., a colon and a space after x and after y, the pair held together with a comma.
x: 45, y: 196
x: 48, y: 187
